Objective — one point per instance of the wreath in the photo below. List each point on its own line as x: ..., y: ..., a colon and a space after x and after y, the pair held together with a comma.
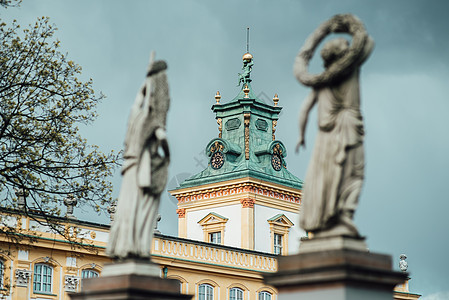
x: 338, y: 24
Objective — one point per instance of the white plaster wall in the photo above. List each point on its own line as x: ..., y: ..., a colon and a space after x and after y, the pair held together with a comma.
x: 262, y: 229
x: 232, y: 233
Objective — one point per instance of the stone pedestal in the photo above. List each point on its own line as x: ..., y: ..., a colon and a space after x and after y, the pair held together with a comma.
x: 137, y: 281
x: 341, y: 269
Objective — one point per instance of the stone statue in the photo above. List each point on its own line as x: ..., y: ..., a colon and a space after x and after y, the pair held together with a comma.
x: 144, y: 171
x: 403, y: 265
x: 336, y: 171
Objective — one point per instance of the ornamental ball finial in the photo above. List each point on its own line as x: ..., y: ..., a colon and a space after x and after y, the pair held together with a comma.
x: 275, y: 99
x: 247, y: 57
x: 218, y: 97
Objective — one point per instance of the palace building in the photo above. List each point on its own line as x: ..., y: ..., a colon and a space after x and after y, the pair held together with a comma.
x: 234, y: 219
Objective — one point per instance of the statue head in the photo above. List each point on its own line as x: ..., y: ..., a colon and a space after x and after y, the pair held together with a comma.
x: 334, y: 50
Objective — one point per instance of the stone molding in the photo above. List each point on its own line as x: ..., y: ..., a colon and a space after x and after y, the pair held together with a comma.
x: 239, y: 189
x: 22, y: 277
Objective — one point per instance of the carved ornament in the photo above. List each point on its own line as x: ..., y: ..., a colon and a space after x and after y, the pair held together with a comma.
x: 247, y: 202
x: 22, y: 277
x: 181, y: 212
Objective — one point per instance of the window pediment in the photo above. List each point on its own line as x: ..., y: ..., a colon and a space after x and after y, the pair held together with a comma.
x: 212, y: 218
x: 281, y: 220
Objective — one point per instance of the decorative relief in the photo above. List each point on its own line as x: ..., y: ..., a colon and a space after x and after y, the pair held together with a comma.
x: 277, y: 149
x: 220, y: 127
x: 22, y: 277
x: 232, y: 124
x: 237, y: 189
x: 247, y: 202
x: 274, y: 124
x: 217, y: 146
x: 246, y: 117
x: 276, y: 159
x: 71, y: 283
x: 181, y: 212
x: 261, y: 124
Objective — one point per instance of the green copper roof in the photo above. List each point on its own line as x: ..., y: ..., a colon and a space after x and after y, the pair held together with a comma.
x: 246, y: 146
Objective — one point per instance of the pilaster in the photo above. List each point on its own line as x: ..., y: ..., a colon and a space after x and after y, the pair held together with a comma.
x: 247, y: 223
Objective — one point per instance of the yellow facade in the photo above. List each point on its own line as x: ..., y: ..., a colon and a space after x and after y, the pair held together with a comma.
x: 214, y: 268
x: 39, y: 264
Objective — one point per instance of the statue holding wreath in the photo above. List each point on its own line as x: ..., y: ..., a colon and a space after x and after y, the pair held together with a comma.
x: 336, y: 171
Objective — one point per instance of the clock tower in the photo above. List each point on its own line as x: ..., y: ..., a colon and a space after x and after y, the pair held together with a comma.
x: 246, y: 197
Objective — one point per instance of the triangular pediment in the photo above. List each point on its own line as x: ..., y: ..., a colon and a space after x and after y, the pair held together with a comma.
x: 281, y: 220
x: 212, y: 218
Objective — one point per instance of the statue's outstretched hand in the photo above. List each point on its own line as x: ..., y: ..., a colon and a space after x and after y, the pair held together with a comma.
x: 300, y: 143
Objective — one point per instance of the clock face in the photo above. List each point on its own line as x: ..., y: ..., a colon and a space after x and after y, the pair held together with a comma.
x: 276, y: 162
x: 217, y: 160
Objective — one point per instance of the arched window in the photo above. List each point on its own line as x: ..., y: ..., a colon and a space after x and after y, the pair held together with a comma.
x: 206, y: 292
x: 89, y: 273
x: 264, y: 295
x: 235, y: 294
x: 43, y: 278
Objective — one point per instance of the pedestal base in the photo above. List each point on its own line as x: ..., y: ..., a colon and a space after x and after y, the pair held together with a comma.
x: 332, y: 243
x: 338, y: 274
x: 132, y: 266
x: 130, y: 280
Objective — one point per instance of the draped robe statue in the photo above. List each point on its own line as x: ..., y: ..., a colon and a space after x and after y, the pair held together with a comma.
x: 336, y: 170
x: 144, y: 171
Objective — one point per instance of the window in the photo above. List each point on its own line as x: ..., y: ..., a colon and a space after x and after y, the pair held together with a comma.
x: 89, y: 274
x: 264, y: 295
x: 206, y: 292
x: 2, y: 273
x: 235, y: 294
x: 278, y: 243
x: 279, y: 228
x: 215, y: 237
x: 213, y: 227
x: 42, y: 278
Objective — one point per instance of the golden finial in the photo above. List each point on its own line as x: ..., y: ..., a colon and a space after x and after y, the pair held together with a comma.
x: 247, y: 57
x: 218, y: 97
x: 275, y: 99
x: 246, y: 91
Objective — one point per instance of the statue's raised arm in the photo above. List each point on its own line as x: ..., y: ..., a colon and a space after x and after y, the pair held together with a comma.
x: 336, y: 171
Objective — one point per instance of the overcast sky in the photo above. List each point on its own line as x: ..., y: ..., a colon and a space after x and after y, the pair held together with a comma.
x: 404, y: 86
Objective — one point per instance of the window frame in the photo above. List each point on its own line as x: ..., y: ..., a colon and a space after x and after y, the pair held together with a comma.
x: 41, y: 283
x: 280, y: 225
x: 2, y: 274
x: 215, y: 234
x: 207, y: 288
x: 236, y: 289
x: 277, y: 243
x: 262, y: 295
x: 212, y: 223
x: 89, y: 271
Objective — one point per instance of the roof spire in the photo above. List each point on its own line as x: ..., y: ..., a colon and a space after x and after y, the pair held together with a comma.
x: 247, y: 39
